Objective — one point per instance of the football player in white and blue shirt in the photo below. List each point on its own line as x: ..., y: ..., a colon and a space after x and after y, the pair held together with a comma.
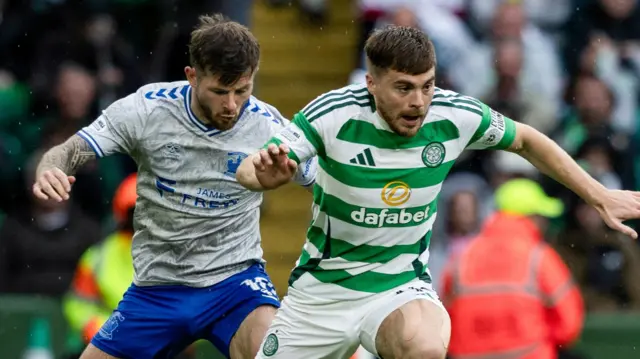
x: 199, y: 272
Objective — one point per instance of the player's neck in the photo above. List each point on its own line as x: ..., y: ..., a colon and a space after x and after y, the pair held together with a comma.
x: 197, y: 110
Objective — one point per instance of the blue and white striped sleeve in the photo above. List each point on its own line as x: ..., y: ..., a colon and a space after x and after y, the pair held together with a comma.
x: 118, y: 129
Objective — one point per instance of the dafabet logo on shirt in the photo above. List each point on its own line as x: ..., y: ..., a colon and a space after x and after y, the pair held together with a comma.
x: 395, y: 193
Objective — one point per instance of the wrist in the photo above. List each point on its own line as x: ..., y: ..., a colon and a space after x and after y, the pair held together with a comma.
x: 247, y: 176
x: 46, y: 166
x: 41, y: 169
x: 596, y: 194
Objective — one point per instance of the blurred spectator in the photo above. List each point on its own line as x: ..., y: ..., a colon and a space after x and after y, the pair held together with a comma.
x: 506, y: 97
x: 401, y: 16
x: 472, y: 186
x: 598, y: 156
x: 99, y: 51
x: 461, y: 223
x: 462, y: 220
x: 74, y: 95
x: 508, y: 292
x: 591, y: 118
x: 41, y: 243
x: 516, y: 64
x: 590, y: 115
x: 510, y: 97
x: 451, y: 38
x: 547, y: 15
x: 606, y: 264
x: 603, y: 39
x: 618, y: 20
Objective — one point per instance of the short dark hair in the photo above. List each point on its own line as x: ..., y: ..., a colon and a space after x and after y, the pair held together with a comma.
x: 223, y: 47
x: 400, y: 48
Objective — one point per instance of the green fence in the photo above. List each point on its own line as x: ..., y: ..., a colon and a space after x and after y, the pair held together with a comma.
x: 17, y: 313
x: 606, y: 336
x: 16, y: 316
x: 611, y: 336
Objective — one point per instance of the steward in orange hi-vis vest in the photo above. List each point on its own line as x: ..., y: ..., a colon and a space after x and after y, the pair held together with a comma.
x: 509, y: 294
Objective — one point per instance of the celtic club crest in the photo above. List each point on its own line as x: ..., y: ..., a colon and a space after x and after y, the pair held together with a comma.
x: 433, y: 154
x: 270, y: 346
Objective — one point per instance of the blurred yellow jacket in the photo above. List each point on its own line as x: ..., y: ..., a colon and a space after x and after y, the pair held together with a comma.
x: 102, y: 277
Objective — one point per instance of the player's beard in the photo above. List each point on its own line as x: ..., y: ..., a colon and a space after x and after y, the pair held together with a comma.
x: 396, y: 121
x: 219, y: 122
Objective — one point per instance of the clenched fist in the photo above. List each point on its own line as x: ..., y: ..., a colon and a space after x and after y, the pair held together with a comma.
x: 53, y: 184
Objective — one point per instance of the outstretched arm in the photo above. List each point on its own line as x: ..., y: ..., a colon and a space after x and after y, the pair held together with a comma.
x: 553, y: 161
x: 550, y: 159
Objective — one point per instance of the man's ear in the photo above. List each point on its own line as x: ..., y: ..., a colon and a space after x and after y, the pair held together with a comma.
x: 192, y: 76
x: 371, y: 84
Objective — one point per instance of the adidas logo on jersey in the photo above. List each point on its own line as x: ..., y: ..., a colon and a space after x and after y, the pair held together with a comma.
x: 364, y: 158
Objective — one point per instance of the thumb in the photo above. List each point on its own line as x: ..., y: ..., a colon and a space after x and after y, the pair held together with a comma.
x: 626, y: 230
x: 72, y: 179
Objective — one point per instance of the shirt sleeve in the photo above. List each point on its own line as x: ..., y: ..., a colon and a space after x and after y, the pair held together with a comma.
x: 491, y: 130
x: 118, y: 129
x: 308, y: 167
x: 302, y: 137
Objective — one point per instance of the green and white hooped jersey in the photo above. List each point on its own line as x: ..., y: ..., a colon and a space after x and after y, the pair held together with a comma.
x: 375, y: 197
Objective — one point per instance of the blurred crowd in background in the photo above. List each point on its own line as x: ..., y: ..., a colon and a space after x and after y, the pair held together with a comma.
x: 570, y: 68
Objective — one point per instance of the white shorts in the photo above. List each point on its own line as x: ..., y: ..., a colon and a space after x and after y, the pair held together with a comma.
x: 334, y: 330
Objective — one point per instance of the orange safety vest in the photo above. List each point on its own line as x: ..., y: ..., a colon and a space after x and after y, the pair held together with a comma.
x: 510, y: 296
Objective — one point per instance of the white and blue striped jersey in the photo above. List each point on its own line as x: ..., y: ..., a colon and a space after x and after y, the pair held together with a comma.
x: 194, y: 224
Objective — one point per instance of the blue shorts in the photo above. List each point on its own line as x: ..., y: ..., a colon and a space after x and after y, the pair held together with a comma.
x: 161, y: 321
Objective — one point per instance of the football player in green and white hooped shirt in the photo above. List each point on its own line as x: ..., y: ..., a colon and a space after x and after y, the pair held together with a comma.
x: 384, y: 149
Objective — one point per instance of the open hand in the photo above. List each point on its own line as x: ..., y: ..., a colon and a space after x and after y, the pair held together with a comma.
x: 273, y: 167
x: 619, y: 206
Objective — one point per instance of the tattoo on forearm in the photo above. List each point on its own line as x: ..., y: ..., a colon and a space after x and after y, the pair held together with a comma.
x: 68, y: 156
